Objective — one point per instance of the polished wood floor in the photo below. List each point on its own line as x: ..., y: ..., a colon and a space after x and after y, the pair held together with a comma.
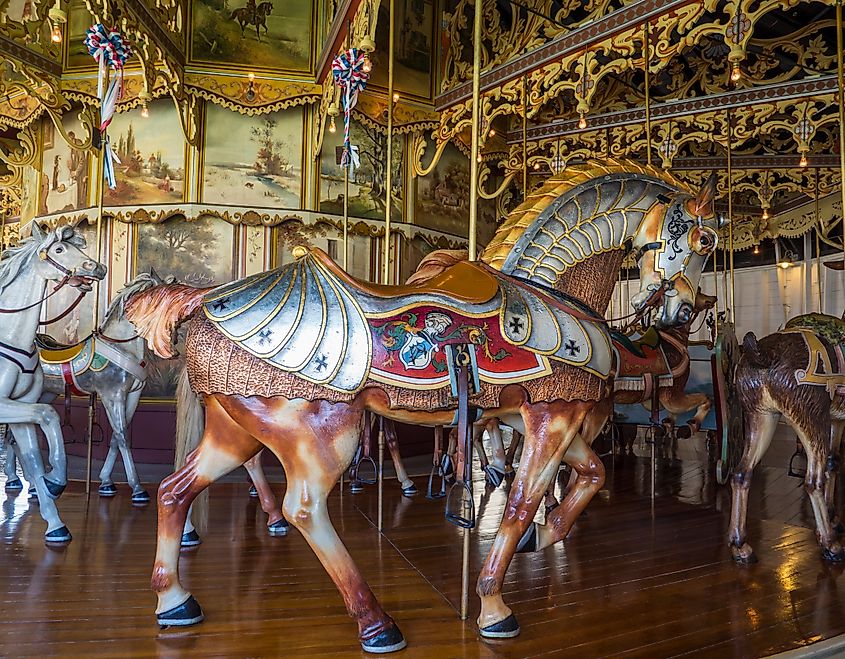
x: 635, y: 579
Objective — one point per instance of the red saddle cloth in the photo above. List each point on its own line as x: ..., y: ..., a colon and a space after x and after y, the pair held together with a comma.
x: 641, y: 357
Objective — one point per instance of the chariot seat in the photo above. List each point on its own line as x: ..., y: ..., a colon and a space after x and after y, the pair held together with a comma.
x: 55, y: 352
x: 465, y: 281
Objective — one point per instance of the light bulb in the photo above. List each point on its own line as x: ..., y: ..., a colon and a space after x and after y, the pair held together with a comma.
x: 367, y: 66
x: 492, y: 132
x: 756, y: 249
x: 536, y: 166
x: 765, y: 214
x: 479, y: 157
x: 56, y: 34
x: 332, y: 127
x: 803, y: 161
x: 395, y: 97
x: 582, y: 122
x: 736, y: 73
x: 144, y: 111
x: 251, y: 76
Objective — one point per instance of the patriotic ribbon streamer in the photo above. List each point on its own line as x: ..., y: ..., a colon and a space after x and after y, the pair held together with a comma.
x: 108, y: 48
x: 350, y: 76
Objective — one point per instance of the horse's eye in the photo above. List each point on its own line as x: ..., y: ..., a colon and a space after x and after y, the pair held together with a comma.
x: 59, y: 249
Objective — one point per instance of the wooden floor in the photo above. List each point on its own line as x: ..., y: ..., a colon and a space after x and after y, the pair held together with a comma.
x: 633, y: 580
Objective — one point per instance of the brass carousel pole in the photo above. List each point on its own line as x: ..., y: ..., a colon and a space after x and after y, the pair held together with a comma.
x: 388, y: 179
x: 730, y: 216
x: 841, y: 80
x: 646, y: 59
x: 818, y: 245
x: 472, y: 247
x: 524, y: 136
x: 346, y: 210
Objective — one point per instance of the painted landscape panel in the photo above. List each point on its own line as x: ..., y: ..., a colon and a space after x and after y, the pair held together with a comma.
x: 257, y: 33
x: 64, y: 171
x: 152, y: 157
x: 367, y: 184
x: 442, y: 200
x: 253, y: 161
x: 200, y: 253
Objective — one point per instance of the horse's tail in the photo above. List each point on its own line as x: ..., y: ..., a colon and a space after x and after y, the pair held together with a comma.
x: 158, y: 312
x: 234, y: 15
x: 751, y: 352
x: 190, y: 423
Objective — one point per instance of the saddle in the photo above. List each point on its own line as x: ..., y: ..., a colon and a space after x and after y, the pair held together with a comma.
x: 640, y: 362
x: 55, y: 352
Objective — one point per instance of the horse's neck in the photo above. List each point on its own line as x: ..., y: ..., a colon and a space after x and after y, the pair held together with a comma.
x: 121, y: 328
x: 592, y: 280
x: 18, y: 329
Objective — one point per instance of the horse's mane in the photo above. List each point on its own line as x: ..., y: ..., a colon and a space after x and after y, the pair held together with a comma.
x: 435, y: 263
x: 142, y: 282
x: 15, y: 258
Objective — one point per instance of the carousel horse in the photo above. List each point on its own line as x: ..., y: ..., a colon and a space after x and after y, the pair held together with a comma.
x: 291, y: 359
x: 111, y: 364
x: 25, y: 273
x: 797, y: 373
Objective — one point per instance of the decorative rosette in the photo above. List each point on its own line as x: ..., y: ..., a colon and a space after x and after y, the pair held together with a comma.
x: 350, y: 76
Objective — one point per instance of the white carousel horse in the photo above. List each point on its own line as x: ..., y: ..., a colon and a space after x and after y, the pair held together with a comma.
x: 25, y: 271
x: 110, y: 363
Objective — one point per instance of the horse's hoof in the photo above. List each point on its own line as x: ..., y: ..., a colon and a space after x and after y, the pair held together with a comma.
x: 831, y: 556
x: 187, y: 613
x: 494, y: 475
x: 14, y: 485
x: 54, y: 489
x: 390, y: 640
x: 743, y: 555
x: 191, y: 539
x: 410, y: 491
x: 507, y: 628
x: 279, y: 528
x: 684, y: 431
x: 32, y: 493
x: 355, y: 487
x: 60, y: 536
x: 527, y: 543
x: 253, y: 491
x: 141, y: 497
x: 107, y: 490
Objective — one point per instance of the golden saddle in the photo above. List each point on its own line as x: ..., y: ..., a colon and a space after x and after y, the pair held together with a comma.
x: 54, y: 352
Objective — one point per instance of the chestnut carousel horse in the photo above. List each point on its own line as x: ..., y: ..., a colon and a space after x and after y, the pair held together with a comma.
x: 111, y: 363
x: 292, y: 358
x: 797, y: 373
x: 25, y: 271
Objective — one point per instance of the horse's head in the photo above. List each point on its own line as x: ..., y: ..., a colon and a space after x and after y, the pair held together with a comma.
x: 673, y: 245
x: 60, y: 256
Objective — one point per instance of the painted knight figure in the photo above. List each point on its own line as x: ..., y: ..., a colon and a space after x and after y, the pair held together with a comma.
x: 29, y: 274
x: 290, y: 359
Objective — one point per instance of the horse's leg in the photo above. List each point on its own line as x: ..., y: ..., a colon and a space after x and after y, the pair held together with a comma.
x: 549, y: 429
x: 407, y: 485
x: 13, y: 483
x: 497, y: 445
x: 30, y: 455
x: 224, y: 446
x: 276, y: 523
x: 494, y: 469
x: 315, y: 441
x: 676, y: 403
x: 760, y: 426
x: 832, y: 468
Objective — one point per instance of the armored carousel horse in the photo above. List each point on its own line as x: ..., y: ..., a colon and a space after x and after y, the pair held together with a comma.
x: 797, y: 373
x: 292, y: 358
x: 53, y: 259
x: 111, y: 363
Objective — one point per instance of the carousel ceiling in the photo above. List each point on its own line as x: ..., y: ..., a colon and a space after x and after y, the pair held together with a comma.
x: 688, y: 84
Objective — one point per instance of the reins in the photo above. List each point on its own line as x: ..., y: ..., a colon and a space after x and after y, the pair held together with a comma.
x: 41, y: 301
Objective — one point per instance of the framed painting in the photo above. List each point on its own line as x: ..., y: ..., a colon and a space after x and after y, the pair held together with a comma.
x: 260, y: 34
x: 78, y: 21
x: 328, y: 238
x: 200, y: 253
x: 152, y: 157
x: 367, y: 183
x: 442, y: 199
x: 253, y: 161
x: 64, y: 171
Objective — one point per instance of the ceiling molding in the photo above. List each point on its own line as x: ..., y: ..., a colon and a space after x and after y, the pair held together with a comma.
x: 13, y: 49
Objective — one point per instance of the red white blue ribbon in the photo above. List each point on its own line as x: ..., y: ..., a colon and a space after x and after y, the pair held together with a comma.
x: 108, y: 48
x: 350, y: 76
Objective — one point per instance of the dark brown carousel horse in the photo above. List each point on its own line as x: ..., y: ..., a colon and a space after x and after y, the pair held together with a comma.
x: 292, y: 358
x: 799, y: 373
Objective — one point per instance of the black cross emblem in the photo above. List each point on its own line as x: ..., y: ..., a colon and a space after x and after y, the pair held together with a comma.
x: 516, y: 325
x: 572, y: 348
x: 322, y: 362
x: 220, y: 304
x: 264, y: 336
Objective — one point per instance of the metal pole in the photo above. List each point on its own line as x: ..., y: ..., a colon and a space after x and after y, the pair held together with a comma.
x: 730, y: 216
x: 380, y: 477
x: 389, y: 175
x: 818, y: 245
x: 524, y: 137
x: 346, y: 218
x: 647, y: 58
x: 841, y: 81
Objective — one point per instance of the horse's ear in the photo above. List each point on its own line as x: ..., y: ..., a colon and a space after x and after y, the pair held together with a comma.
x: 154, y: 276
x: 706, y: 196
x: 37, y: 233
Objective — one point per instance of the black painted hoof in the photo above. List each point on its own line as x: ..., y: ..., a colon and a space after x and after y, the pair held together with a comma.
x: 32, y: 493
x: 191, y: 539
x: 833, y: 556
x: 54, y: 489
x: 494, y: 475
x: 390, y: 640
x: 507, y: 628
x: 14, y: 485
x: 141, y: 497
x: 60, y: 536
x: 356, y: 487
x: 253, y: 491
x: 187, y: 613
x: 279, y: 528
x: 528, y: 542
x: 107, y: 490
x: 410, y: 491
